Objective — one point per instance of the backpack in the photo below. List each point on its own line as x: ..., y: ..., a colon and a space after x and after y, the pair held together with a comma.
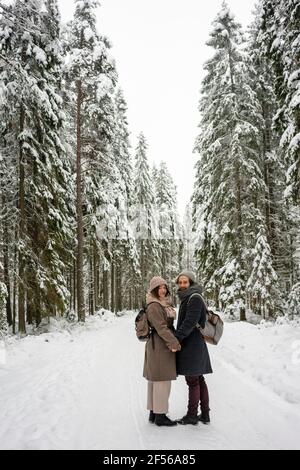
x: 143, y: 329
x: 214, y: 326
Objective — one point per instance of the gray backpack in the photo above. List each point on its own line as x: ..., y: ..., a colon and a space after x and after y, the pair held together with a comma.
x: 143, y: 329
x: 214, y: 325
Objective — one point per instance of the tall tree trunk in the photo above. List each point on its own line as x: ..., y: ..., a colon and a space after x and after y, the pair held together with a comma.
x: 105, y: 276
x: 216, y: 296
x: 238, y: 196
x: 240, y: 241
x: 6, y: 269
x: 112, y: 285
x: 118, y: 288
x: 70, y: 286
x: 269, y: 178
x: 92, y: 287
x: 74, y: 286
x: 143, y: 287
x: 15, y: 284
x: 79, y: 211
x: 137, y: 297
x: 96, y: 278
x: 22, y: 215
x: 38, y: 309
x: 29, y: 303
x: 130, y: 299
x: 105, y: 289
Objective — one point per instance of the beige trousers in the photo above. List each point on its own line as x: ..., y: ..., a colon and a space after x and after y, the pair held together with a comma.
x: 158, y: 396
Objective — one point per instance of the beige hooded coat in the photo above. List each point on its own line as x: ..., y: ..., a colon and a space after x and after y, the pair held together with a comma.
x: 160, y: 361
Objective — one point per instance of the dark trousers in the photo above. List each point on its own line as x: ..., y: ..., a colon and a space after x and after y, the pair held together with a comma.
x: 198, y: 393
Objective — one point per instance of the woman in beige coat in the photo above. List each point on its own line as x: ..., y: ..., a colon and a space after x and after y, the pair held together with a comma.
x: 160, y: 361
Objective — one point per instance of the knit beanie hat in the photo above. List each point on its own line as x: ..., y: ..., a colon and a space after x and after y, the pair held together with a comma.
x: 155, y: 282
x: 187, y: 273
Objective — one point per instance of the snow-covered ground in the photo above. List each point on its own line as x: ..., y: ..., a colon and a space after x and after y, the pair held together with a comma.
x: 83, y: 389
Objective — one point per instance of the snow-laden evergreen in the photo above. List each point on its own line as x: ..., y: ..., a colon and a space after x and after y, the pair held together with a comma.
x: 168, y: 221
x: 146, y: 223
x: 124, y: 246
x: 229, y: 177
x: 279, y: 38
x: 262, y: 283
x: 91, y: 76
x: 274, y: 215
x: 34, y: 127
x: 280, y: 29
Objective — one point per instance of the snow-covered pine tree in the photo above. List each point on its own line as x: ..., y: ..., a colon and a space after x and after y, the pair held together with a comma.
x: 8, y: 180
x: 280, y: 37
x: 8, y: 156
x: 264, y: 79
x: 168, y: 222
x: 206, y: 238
x: 30, y: 45
x: 145, y: 217
x: 280, y: 28
x: 154, y: 172
x: 228, y: 172
x: 187, y: 255
x: 273, y: 218
x: 92, y: 76
x: 124, y: 249
x: 262, y: 284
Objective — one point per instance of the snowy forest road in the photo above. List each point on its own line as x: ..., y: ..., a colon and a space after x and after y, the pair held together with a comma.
x: 84, y: 389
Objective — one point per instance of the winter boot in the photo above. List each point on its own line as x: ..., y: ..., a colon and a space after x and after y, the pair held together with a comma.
x: 151, y: 417
x: 188, y: 419
x: 163, y: 420
x: 204, y: 417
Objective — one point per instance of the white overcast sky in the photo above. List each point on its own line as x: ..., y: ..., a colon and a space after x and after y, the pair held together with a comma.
x: 159, y: 47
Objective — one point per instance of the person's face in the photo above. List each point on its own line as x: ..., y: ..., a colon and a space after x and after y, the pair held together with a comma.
x: 183, y: 282
x: 162, y: 291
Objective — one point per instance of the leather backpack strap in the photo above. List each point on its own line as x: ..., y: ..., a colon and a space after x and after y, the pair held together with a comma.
x: 199, y: 295
x: 198, y: 326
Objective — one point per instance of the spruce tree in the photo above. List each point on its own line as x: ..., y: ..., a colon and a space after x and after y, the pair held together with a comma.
x: 273, y: 219
x: 280, y: 38
x: 145, y: 217
x: 124, y: 243
x: 228, y: 172
x: 92, y: 77
x: 280, y: 29
x: 31, y: 48
x: 168, y: 221
x: 262, y: 283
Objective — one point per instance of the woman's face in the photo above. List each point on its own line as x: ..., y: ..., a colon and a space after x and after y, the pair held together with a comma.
x: 162, y: 291
x: 183, y: 282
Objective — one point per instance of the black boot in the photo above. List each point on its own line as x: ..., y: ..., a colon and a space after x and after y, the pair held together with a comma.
x: 163, y: 420
x: 204, y: 417
x: 151, y: 417
x: 187, y: 419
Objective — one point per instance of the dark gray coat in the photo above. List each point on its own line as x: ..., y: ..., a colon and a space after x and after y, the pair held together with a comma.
x: 193, y: 359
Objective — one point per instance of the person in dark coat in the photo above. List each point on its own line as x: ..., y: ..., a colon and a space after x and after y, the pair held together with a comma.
x: 193, y: 359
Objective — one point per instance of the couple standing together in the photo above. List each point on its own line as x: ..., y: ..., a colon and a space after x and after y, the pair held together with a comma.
x: 171, y: 352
